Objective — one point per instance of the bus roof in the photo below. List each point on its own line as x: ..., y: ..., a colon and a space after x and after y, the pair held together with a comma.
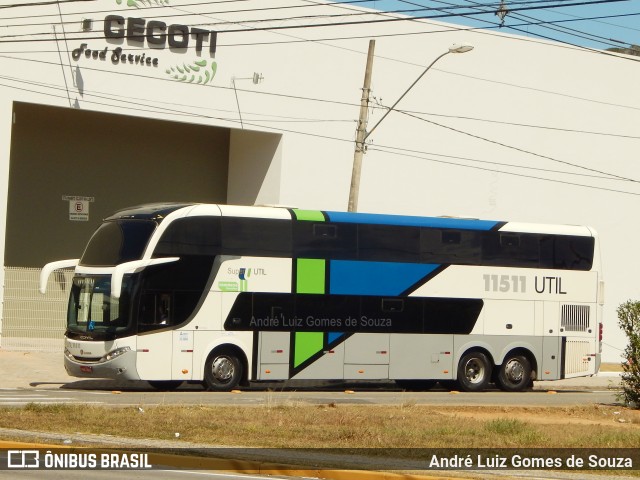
x: 158, y: 211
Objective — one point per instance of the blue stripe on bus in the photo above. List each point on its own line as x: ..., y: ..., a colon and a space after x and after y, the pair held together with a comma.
x: 333, y: 336
x: 349, y: 277
x: 412, y: 221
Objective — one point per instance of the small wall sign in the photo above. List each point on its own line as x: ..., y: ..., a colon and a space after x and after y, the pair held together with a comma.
x: 78, y: 207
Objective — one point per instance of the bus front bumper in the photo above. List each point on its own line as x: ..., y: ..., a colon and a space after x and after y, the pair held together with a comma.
x: 115, y: 365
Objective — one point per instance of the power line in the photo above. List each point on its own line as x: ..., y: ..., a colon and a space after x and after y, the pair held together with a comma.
x: 334, y: 4
x: 397, y: 19
x: 350, y: 23
x: 392, y: 150
x: 609, y: 175
x: 525, y: 125
x: 509, y: 173
x: 164, y: 7
x: 503, y: 144
x: 548, y: 24
x: 528, y: 19
x: 544, y: 24
x: 497, y: 25
x: 599, y: 20
x: 479, y: 30
x: 488, y: 162
x: 421, y: 8
x: 521, y: 150
x: 42, y: 4
x: 352, y: 104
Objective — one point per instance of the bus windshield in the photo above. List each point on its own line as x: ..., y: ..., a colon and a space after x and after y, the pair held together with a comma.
x: 93, y: 311
x: 117, y: 241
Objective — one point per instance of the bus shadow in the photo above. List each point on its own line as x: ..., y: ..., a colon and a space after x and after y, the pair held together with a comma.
x: 276, y: 387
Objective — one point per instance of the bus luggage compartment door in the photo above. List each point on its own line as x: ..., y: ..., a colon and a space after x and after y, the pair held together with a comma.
x: 274, y: 355
x: 418, y: 357
x: 367, y: 356
x: 579, y: 357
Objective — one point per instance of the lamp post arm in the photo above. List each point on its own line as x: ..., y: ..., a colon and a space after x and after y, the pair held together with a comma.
x: 403, y: 95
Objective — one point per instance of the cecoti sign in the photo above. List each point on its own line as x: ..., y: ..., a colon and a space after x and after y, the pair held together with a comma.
x: 158, y: 34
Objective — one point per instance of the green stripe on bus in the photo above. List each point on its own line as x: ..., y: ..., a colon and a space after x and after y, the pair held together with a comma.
x: 309, y: 215
x: 310, y: 275
x: 307, y: 344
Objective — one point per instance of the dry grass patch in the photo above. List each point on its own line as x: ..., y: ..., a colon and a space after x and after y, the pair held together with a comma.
x: 344, y: 426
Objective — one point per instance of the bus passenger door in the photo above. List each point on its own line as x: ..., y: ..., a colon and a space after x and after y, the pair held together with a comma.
x: 155, y: 340
x: 154, y: 355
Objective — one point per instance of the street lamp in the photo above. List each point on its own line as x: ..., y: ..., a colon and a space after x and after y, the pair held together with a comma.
x: 362, y: 133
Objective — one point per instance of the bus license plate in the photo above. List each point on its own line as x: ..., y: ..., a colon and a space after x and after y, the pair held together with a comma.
x: 86, y: 369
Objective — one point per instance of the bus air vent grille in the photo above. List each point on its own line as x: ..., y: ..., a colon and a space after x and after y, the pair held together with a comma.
x: 575, y: 318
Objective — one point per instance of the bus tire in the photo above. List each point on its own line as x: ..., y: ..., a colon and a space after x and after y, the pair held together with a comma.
x: 165, y: 384
x: 222, y: 371
x: 514, y: 374
x: 474, y: 372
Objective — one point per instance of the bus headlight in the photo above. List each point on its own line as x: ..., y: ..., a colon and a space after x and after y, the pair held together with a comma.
x: 115, y: 353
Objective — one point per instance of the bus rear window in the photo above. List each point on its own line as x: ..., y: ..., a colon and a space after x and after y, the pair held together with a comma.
x: 116, y: 242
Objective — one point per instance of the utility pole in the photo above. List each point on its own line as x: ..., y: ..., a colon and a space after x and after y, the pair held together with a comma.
x: 361, y: 132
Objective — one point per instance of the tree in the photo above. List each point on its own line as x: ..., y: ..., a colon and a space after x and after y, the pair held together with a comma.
x: 629, y: 321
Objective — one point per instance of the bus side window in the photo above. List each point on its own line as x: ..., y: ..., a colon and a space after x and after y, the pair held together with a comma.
x: 155, y: 309
x: 325, y: 231
x: 511, y: 249
x: 163, y: 315
x: 461, y: 247
x: 325, y: 240
x: 388, y: 243
x: 567, y: 253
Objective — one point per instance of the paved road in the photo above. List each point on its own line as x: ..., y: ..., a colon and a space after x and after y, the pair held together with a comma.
x: 143, y: 395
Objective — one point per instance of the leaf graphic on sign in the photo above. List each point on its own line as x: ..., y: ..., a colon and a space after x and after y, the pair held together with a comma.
x: 200, y: 72
x: 144, y: 3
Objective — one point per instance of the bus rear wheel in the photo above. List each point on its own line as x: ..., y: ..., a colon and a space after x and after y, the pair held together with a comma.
x: 514, y: 374
x: 474, y: 372
x: 222, y: 372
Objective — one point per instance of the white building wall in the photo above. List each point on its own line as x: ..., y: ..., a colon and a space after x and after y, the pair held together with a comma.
x: 254, y: 168
x: 525, y: 90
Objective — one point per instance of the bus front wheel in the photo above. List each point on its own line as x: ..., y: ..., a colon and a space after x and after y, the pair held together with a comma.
x: 514, y: 374
x: 474, y: 372
x: 222, y: 372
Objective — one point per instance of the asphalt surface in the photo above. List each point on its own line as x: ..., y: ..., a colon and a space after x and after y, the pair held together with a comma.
x: 36, y: 369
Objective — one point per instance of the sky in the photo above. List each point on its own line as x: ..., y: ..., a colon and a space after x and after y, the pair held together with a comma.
x: 604, y: 25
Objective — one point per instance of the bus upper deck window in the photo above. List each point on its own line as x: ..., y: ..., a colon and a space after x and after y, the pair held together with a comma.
x: 325, y: 231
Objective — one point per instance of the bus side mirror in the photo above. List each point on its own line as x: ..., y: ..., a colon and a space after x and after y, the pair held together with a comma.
x: 132, y: 267
x: 49, y: 268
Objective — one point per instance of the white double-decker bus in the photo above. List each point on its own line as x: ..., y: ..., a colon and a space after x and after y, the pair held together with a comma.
x: 227, y: 295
